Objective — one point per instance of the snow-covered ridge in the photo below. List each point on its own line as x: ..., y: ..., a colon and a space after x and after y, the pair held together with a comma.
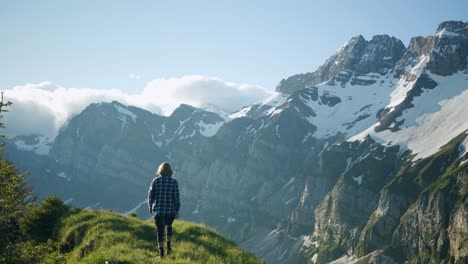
x: 39, y: 144
x: 445, y: 33
x: 405, y: 84
x: 357, y: 108
x: 267, y: 105
x: 275, y: 100
x: 438, y: 115
x: 196, y: 122
x: 125, y: 113
x: 208, y: 130
x: 346, y: 109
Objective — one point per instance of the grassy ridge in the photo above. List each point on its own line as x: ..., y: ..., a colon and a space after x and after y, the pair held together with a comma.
x: 88, y: 236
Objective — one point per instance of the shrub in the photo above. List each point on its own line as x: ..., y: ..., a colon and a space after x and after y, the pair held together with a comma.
x: 133, y: 214
x: 39, y: 223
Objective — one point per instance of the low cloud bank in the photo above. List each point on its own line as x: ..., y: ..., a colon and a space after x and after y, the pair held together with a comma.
x: 43, y: 108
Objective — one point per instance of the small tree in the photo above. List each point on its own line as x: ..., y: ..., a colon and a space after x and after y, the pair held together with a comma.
x: 39, y: 223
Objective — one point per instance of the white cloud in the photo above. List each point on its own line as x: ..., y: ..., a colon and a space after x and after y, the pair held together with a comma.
x: 201, y: 91
x: 43, y: 108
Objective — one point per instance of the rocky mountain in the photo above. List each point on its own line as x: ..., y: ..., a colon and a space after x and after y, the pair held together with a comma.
x: 357, y: 56
x: 363, y: 159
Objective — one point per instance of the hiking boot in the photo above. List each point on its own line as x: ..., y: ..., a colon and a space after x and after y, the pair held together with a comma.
x: 161, y: 252
x: 169, y: 249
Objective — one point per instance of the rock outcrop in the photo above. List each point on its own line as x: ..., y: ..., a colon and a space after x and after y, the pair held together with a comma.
x: 356, y: 56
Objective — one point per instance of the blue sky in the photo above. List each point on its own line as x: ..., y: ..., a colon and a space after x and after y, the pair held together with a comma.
x: 125, y: 44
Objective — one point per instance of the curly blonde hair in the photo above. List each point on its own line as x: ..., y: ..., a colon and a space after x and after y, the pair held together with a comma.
x: 164, y: 169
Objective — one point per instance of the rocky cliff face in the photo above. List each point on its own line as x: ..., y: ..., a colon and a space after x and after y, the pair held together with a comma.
x: 412, y: 215
x: 356, y: 219
x: 357, y: 56
x: 361, y: 160
x: 431, y: 230
x: 450, y: 48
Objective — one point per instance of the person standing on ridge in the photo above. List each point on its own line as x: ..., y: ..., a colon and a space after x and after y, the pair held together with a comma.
x: 163, y: 201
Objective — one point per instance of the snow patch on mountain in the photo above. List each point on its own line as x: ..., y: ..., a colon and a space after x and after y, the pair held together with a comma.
x: 463, y: 147
x: 268, y: 105
x: 38, y: 144
x: 208, y: 130
x: 125, y: 112
x: 191, y: 135
x: 156, y: 142
x: 145, y: 202
x: 404, y: 85
x: 438, y: 115
x: 445, y: 33
x: 289, y: 182
x: 275, y: 100
x: 353, y: 113
x: 241, y: 113
x: 306, y: 137
x: 358, y: 179
x: 252, y: 129
x: 62, y: 175
x: 345, y: 260
x: 196, y: 211
x: 289, y: 201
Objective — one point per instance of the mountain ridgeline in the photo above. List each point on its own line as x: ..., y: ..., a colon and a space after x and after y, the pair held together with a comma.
x: 363, y: 160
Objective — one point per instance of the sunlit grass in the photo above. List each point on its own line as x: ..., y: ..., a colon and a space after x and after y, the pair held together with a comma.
x: 99, y: 236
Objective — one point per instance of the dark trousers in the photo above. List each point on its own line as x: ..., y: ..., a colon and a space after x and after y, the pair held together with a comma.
x: 162, y: 221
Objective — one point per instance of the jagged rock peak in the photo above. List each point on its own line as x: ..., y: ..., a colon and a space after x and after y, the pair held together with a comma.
x: 378, y: 55
x: 356, y: 40
x: 185, y: 107
x: 361, y: 56
x: 417, y: 47
x: 452, y: 28
x: 115, y: 106
x: 450, y: 51
x: 185, y: 111
x: 420, y: 45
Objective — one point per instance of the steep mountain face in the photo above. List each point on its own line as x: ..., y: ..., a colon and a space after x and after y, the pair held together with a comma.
x: 418, y: 114
x: 362, y: 160
x: 450, y: 48
x: 423, y: 113
x: 111, y: 151
x: 356, y: 56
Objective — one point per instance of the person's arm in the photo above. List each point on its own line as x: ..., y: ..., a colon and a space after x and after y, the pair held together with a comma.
x: 176, y: 198
x: 151, y: 196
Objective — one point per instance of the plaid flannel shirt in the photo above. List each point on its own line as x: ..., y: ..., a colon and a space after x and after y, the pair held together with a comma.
x: 163, y: 195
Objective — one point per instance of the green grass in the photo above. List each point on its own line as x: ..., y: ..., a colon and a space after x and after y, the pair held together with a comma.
x: 414, y: 178
x: 88, y: 236
x: 328, y: 253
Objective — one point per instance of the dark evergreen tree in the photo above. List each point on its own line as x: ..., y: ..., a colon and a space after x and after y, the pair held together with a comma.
x: 15, y: 200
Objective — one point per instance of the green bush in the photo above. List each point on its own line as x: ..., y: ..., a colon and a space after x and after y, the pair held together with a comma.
x: 27, y: 252
x: 38, y: 224
x: 133, y: 214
